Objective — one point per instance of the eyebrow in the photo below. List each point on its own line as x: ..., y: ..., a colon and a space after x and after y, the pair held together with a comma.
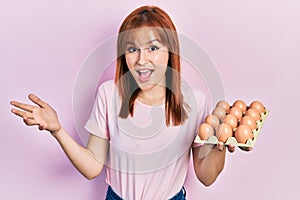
x: 149, y: 42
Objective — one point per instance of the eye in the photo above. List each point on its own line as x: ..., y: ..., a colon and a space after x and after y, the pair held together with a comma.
x: 153, y: 48
x: 132, y: 49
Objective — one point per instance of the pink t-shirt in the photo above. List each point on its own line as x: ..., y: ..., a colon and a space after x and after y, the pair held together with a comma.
x: 146, y: 159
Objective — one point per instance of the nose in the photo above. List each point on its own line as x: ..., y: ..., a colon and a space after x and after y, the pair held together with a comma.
x: 142, y: 59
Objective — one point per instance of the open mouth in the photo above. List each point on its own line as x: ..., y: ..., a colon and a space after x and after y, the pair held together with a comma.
x: 144, y: 74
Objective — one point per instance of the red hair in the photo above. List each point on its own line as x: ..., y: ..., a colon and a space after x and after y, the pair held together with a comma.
x: 162, y: 25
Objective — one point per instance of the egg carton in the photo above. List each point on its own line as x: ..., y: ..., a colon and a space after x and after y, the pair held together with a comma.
x: 231, y: 140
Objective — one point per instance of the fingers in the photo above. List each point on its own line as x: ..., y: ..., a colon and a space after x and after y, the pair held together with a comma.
x: 30, y: 122
x: 26, y: 107
x: 221, y: 146
x: 37, y: 100
x: 22, y: 114
x: 25, y: 112
x: 22, y: 106
x: 41, y: 127
x: 31, y: 114
x: 231, y: 148
x: 27, y: 117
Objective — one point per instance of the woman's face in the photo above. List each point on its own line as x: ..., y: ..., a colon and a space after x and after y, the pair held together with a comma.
x: 147, y: 59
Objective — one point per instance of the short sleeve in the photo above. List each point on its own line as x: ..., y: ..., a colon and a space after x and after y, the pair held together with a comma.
x: 203, y: 111
x: 97, y: 123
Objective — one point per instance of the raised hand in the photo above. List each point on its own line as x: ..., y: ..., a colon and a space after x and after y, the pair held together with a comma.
x: 41, y: 114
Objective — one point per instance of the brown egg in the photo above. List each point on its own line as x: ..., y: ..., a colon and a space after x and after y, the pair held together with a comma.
x: 212, y: 120
x: 253, y: 113
x: 235, y: 111
x: 241, y: 105
x: 243, y: 133
x: 257, y: 106
x: 223, y: 132
x: 220, y: 112
x: 205, y: 130
x: 230, y: 120
x: 224, y: 104
x: 250, y: 121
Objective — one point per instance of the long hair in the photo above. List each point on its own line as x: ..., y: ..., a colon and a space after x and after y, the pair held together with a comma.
x: 159, y: 21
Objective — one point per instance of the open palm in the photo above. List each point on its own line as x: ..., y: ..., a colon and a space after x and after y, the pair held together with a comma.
x: 41, y: 114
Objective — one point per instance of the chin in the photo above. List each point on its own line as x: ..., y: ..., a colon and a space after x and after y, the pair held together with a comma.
x: 146, y: 86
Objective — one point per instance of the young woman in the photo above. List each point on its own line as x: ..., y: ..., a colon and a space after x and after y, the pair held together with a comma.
x: 143, y: 123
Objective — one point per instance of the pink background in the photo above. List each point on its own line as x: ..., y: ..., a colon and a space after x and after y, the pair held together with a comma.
x: 254, y: 44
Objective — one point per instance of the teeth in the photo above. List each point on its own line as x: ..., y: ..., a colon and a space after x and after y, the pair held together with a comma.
x: 143, y: 70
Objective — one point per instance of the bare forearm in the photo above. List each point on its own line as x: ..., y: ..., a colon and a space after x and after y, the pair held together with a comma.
x: 208, y: 167
x: 81, y: 158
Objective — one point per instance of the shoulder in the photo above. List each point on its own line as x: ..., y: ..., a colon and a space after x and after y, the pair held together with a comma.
x: 106, y: 92
x: 194, y: 95
x: 107, y: 85
x: 106, y: 88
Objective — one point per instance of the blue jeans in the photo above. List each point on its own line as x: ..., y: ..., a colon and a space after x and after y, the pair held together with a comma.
x: 111, y: 195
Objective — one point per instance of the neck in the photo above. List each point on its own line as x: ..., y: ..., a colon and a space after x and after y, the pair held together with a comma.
x: 155, y: 96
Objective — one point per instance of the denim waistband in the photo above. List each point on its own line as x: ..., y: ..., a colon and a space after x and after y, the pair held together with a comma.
x: 111, y: 195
